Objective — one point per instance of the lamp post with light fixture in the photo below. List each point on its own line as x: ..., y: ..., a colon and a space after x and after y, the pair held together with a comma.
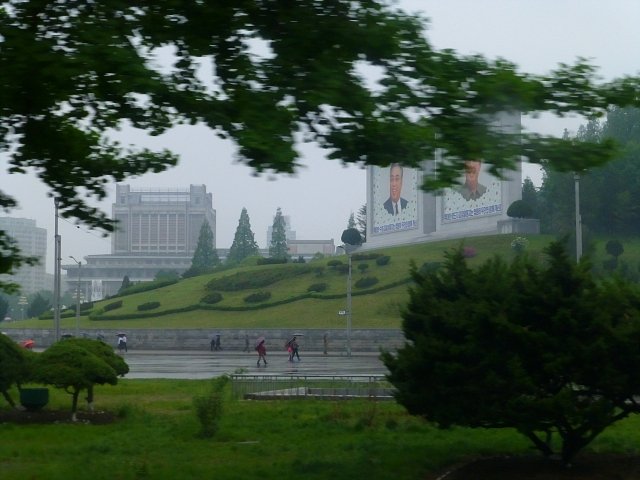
x: 77, y: 294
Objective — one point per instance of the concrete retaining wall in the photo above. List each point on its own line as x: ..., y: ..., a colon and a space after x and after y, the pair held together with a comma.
x: 230, y: 339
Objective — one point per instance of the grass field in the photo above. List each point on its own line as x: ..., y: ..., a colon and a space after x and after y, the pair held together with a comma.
x: 156, y: 436
x: 377, y: 307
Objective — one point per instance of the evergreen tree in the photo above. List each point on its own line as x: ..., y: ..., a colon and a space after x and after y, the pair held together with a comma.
x: 541, y: 347
x: 37, y: 306
x: 351, y: 223
x: 530, y: 196
x: 244, y: 244
x: 126, y: 283
x: 361, y: 221
x: 4, y: 307
x: 278, y: 248
x: 205, y: 258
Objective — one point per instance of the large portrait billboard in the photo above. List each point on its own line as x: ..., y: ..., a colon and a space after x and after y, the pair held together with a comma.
x: 478, y: 195
x: 394, y: 201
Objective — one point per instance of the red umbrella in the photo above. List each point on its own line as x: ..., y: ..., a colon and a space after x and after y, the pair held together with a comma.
x: 28, y: 343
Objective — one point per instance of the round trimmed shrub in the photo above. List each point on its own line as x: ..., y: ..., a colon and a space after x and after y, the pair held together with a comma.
x: 258, y: 297
x: 148, y: 306
x: 383, y: 260
x: 112, y: 306
x: 317, y: 287
x: 211, y: 298
x: 334, y: 263
x: 366, y: 282
x: 362, y: 267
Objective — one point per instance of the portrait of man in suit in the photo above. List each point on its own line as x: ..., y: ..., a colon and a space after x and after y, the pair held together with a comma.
x: 472, y: 189
x: 395, y: 204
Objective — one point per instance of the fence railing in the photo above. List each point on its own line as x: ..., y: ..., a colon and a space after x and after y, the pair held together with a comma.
x: 329, y: 387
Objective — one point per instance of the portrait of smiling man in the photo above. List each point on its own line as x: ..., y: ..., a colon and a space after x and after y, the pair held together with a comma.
x: 395, y: 204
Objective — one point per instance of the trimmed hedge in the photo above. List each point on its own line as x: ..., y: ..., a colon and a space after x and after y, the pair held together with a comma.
x: 258, y: 297
x: 211, y: 298
x: 334, y: 263
x: 148, y: 306
x: 256, y: 278
x: 366, y: 256
x: 317, y: 287
x: 271, y: 261
x: 365, y: 282
x: 112, y: 306
x: 383, y: 260
x: 145, y: 287
x: 244, y: 308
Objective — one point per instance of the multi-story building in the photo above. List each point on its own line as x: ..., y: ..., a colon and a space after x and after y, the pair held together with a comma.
x: 32, y: 241
x: 157, y: 229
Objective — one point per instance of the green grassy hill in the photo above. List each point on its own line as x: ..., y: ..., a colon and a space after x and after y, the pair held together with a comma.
x: 290, y: 304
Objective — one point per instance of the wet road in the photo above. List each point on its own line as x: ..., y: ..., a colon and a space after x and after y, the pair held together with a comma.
x: 205, y: 364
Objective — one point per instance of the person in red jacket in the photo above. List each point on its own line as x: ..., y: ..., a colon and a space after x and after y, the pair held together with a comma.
x: 262, y: 352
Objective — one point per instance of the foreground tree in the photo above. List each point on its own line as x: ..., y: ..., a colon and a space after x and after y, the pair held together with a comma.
x: 72, y: 368
x: 205, y: 258
x: 13, y: 366
x: 244, y: 244
x: 38, y: 306
x: 67, y: 88
x: 278, y: 246
x: 103, y: 352
x: 542, y: 348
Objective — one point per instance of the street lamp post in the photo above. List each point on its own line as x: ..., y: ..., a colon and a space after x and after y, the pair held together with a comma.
x: 576, y: 177
x: 77, y: 295
x: 56, y: 273
x: 349, y: 249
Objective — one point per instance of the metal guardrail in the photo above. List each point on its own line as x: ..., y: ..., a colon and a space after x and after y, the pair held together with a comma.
x: 326, y: 387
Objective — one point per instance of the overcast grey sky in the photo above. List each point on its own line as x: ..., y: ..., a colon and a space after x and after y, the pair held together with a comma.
x: 535, y: 34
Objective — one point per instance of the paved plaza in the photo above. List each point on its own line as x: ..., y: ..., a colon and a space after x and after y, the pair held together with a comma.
x: 206, y: 364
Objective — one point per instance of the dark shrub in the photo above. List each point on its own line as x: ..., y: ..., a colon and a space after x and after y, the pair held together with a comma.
x: 258, y: 297
x: 334, y: 263
x: 211, y: 298
x: 610, y: 263
x: 319, y: 271
x: 148, y: 306
x: 614, y: 248
x: 383, y: 260
x: 86, y: 306
x: 256, y: 278
x: 271, y: 261
x: 342, y: 269
x: 146, y: 286
x: 317, y: 287
x: 429, y: 267
x: 112, y: 306
x: 519, y: 209
x: 363, y: 266
x: 366, y: 256
x: 366, y: 282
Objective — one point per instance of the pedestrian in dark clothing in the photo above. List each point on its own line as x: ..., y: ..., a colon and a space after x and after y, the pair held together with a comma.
x: 325, y: 343
x: 294, y: 349
x: 246, y: 343
x: 262, y: 353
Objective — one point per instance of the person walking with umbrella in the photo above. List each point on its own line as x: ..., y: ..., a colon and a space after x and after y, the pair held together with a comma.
x: 122, y: 342
x: 294, y: 349
x: 262, y: 350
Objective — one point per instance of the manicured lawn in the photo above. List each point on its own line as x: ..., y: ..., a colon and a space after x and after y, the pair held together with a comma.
x: 156, y: 436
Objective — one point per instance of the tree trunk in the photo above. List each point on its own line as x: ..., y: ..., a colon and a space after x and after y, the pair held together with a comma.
x: 8, y: 398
